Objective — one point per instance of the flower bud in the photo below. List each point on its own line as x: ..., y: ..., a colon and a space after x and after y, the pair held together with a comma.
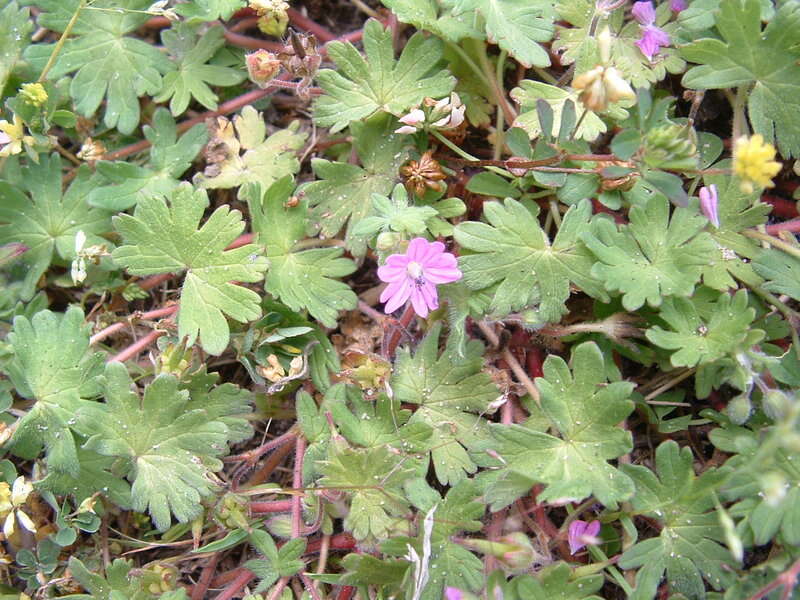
x: 33, y: 94
x: 776, y: 404
x: 739, y: 409
x: 601, y: 86
x: 262, y: 67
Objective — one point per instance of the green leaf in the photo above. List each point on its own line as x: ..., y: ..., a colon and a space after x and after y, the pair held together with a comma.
x: 514, y: 251
x: 431, y: 16
x: 395, y: 214
x: 516, y: 26
x: 781, y: 270
x: 52, y: 365
x: 363, y: 86
x: 747, y: 56
x: 585, y: 410
x: 167, y: 443
x: 737, y: 211
x: 208, y: 10
x: 263, y: 161
x: 578, y: 44
x: 170, y: 157
x: 277, y: 562
x: 380, y: 423
x: 653, y: 257
x: 343, y: 193
x: 763, y: 515
x: 560, y: 582
x: 451, y: 393
x: 301, y: 279
x: 702, y: 333
x: 119, y: 582
x: 164, y: 238
x: 46, y: 221
x: 15, y: 26
x: 372, y: 479
x: 192, y: 76
x: 687, y: 547
x: 95, y: 476
x: 529, y: 92
x: 106, y: 62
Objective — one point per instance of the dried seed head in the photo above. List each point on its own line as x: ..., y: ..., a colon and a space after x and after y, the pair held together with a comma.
x: 423, y: 173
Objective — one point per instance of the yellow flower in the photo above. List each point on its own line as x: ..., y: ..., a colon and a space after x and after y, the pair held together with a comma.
x: 33, y: 94
x: 12, y: 136
x: 753, y: 162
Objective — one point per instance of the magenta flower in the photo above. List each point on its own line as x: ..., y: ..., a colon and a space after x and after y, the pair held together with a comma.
x: 709, y: 203
x: 581, y: 533
x: 416, y: 274
x: 677, y: 5
x: 653, y: 38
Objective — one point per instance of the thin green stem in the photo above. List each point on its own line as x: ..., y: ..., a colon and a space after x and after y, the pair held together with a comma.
x: 739, y: 120
x: 466, y: 155
x: 599, y: 555
x: 61, y: 41
x: 470, y: 63
x: 499, y: 133
x: 772, y: 241
x: 497, y: 89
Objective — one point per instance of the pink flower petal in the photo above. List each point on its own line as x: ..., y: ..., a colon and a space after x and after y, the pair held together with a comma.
x: 396, y: 295
x: 416, y: 249
x: 442, y: 275
x: 644, y: 13
x: 430, y: 295
x: 652, y: 40
x: 418, y: 302
x: 397, y: 260
x: 391, y: 273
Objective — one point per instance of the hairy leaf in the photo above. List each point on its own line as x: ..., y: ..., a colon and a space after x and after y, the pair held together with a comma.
x: 300, y: 278
x: 15, y: 26
x: 277, y: 562
x: 52, y: 365
x: 766, y: 60
x: 343, y: 192
x: 653, y: 257
x: 106, y: 61
x: 170, y: 157
x: 585, y: 410
x: 702, y: 333
x: 687, y: 547
x: 193, y: 76
x: 263, y: 161
x: 514, y: 251
x: 167, y: 442
x: 451, y: 393
x: 44, y: 220
x: 164, y: 238
x: 363, y: 86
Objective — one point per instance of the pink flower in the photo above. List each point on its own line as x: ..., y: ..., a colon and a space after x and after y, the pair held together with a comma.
x: 678, y: 5
x: 653, y: 38
x: 709, y: 203
x: 581, y: 533
x: 452, y: 593
x: 416, y: 274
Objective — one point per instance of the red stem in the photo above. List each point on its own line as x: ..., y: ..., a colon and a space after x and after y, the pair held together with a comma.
x: 303, y: 22
x: 346, y: 593
x: 792, y: 226
x: 153, y: 314
x: 251, y: 43
x: 137, y: 347
x: 236, y: 585
x: 276, y: 506
x: 297, y: 483
x: 202, y: 585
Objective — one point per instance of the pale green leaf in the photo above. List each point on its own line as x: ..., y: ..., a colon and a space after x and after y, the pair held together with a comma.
x: 192, y: 76
x: 15, y: 27
x: 451, y: 393
x: 654, y: 256
x: 362, y: 86
x: 514, y: 251
x: 46, y: 221
x: 300, y: 278
x: 247, y: 156
x: 164, y: 238
x: 107, y: 63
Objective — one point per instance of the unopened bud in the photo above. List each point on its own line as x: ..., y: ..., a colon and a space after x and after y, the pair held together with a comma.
x: 262, y: 67
x: 33, y: 94
x: 776, y: 404
x: 739, y: 410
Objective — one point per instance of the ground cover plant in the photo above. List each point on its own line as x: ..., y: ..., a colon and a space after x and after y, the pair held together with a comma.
x: 416, y: 300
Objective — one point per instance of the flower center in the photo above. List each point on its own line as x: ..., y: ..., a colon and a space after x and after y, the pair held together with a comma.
x: 414, y: 270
